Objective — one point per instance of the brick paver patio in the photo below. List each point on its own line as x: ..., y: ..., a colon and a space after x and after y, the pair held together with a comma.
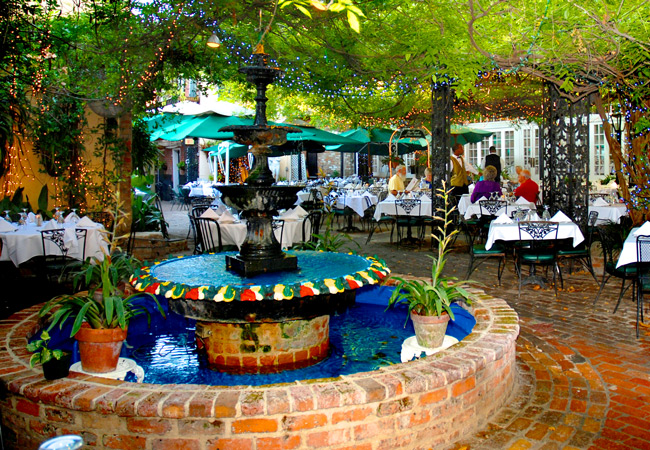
x: 584, y: 376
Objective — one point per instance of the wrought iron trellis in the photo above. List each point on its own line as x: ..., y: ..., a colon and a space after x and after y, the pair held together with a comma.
x: 564, y: 155
x: 441, y: 111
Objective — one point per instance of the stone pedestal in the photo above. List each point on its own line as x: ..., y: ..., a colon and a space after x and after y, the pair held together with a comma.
x: 264, y: 347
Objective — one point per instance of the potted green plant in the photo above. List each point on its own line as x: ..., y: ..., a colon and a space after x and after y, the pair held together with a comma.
x: 181, y: 165
x: 56, y: 362
x: 429, y: 301
x: 100, y: 316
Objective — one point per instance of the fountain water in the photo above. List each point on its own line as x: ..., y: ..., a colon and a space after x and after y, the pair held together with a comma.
x: 254, y: 333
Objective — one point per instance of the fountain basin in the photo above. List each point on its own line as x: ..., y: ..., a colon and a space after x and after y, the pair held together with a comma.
x: 263, y: 324
x: 427, y: 403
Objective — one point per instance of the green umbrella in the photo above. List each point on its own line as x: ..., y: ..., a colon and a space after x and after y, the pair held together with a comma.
x: 205, y: 126
x: 375, y: 141
x: 461, y: 134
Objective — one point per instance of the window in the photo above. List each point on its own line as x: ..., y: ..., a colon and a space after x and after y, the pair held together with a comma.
x: 509, y: 147
x: 531, y: 147
x: 496, y: 141
x: 485, y: 149
x: 191, y: 89
x: 599, y: 150
x: 472, y: 154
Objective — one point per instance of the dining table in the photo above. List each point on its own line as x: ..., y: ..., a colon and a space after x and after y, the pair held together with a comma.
x: 234, y: 233
x: 387, y: 207
x: 628, y: 252
x: 611, y: 212
x: 25, y: 242
x: 510, y: 232
x: 474, y: 209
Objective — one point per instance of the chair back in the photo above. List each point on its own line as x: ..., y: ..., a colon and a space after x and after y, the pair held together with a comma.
x: 198, y: 210
x: 278, y: 224
x: 643, y: 258
x: 491, y: 207
x: 611, y: 241
x: 208, y: 233
x: 57, y: 237
x: 592, y: 218
x: 537, y: 230
x: 163, y: 222
x: 405, y: 206
x: 311, y: 225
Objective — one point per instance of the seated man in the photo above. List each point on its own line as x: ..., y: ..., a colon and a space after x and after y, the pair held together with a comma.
x: 396, y: 182
x: 487, y: 186
x: 527, y: 189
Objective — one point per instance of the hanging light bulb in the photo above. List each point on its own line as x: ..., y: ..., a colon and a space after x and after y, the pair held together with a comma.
x: 214, y: 41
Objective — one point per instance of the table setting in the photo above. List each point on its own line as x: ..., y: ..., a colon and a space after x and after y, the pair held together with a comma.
x: 608, y: 210
x: 233, y: 228
x: 387, y: 206
x: 504, y: 228
x: 22, y: 240
x: 474, y: 209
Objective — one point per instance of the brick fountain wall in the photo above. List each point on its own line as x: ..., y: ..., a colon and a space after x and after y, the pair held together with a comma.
x: 420, y: 404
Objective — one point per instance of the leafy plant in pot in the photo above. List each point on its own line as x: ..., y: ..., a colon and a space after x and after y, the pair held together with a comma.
x: 100, y: 318
x: 429, y: 301
x: 56, y: 362
x: 100, y: 315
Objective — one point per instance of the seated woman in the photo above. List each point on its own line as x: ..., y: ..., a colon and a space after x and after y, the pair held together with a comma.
x: 487, y: 186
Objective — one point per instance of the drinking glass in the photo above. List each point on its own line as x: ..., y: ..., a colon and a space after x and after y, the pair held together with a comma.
x: 546, y: 215
x: 7, y: 216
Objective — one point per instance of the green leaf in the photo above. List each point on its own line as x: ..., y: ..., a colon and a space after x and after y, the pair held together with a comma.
x: 353, y: 20
x: 42, y: 199
x: 304, y: 10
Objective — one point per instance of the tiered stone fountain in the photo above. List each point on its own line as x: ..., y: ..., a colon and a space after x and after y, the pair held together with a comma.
x: 264, y: 335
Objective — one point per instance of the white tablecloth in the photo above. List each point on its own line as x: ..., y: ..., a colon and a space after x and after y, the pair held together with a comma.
x: 388, y: 207
x: 611, y: 213
x: 474, y: 209
x: 510, y: 232
x: 628, y: 253
x: 464, y: 203
x: 357, y: 203
x: 235, y: 233
x: 25, y: 243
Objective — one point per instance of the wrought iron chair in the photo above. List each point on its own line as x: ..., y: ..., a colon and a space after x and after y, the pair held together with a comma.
x: 478, y: 254
x: 195, y: 212
x: 489, y: 210
x: 373, y: 224
x: 542, y: 236
x: 403, y: 210
x: 582, y: 253
x: 611, y: 241
x: 643, y: 275
x: 278, y: 224
x: 314, y: 201
x: 59, y: 263
x: 206, y: 229
x: 311, y: 225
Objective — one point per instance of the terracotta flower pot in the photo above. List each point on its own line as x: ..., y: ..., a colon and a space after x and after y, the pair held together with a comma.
x: 430, y: 330
x: 99, y: 349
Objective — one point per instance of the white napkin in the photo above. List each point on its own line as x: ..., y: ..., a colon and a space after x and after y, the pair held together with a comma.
x: 503, y: 218
x: 522, y: 201
x: 5, y: 226
x: 226, y: 217
x: 482, y: 198
x: 52, y: 225
x: 86, y: 222
x: 290, y: 215
x: 210, y: 214
x: 644, y: 230
x: 300, y: 211
x: 560, y: 217
x: 31, y: 217
x: 390, y: 197
x: 600, y: 202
